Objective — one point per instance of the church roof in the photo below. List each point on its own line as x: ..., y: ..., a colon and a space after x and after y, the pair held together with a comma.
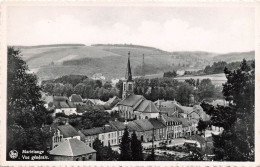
x: 131, y: 100
x: 146, y: 106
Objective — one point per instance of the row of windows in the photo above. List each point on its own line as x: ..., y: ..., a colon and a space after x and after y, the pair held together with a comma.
x: 84, y: 158
x: 113, y: 141
x: 113, y: 134
x: 173, y: 123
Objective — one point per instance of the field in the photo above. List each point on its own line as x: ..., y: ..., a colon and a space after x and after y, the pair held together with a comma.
x: 217, y: 79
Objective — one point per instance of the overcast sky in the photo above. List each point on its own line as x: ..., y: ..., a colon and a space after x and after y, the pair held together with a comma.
x: 169, y: 28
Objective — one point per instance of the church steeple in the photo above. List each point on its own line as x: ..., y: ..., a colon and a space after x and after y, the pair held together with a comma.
x: 128, y: 74
x: 128, y: 84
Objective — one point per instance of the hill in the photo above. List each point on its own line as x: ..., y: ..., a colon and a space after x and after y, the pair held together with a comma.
x: 53, y: 61
x: 236, y: 56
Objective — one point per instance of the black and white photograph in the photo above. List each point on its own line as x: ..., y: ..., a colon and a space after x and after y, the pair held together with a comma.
x: 129, y: 81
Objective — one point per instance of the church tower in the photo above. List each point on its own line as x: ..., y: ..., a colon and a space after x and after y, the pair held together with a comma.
x: 128, y: 83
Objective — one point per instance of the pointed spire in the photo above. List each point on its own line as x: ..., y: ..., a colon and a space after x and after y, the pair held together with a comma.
x: 128, y: 74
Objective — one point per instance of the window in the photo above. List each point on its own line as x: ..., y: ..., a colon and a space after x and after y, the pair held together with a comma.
x: 130, y: 87
x: 90, y: 156
x: 124, y: 86
x: 109, y: 135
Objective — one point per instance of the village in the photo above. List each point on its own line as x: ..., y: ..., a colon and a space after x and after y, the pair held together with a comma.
x: 164, y: 126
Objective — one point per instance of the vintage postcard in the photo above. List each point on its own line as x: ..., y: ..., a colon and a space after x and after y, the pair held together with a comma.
x: 142, y: 83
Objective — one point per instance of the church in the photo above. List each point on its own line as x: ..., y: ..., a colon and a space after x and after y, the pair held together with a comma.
x: 135, y: 106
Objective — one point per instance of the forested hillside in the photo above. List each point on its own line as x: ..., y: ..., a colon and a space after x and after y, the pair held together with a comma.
x: 53, y: 61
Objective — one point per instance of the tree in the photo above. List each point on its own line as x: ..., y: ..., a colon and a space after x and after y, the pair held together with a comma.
x: 136, y: 148
x: 183, y: 93
x: 125, y: 148
x: 191, y: 82
x: 170, y: 74
x: 236, y: 143
x: 206, y: 89
x: 98, y: 146
x: 202, y: 125
x: 26, y: 115
x: 151, y: 157
x: 79, y: 89
x: 68, y: 89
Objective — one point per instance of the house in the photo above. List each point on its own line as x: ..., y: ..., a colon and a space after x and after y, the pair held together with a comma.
x: 112, y: 101
x: 62, y: 104
x: 62, y: 133
x: 143, y: 129
x: 135, y: 106
x: 96, y: 102
x: 186, y: 127
x: 76, y: 99
x: 91, y: 135
x: 98, y: 76
x: 106, y: 134
x: 220, y: 102
x: 160, y: 130
x: 174, y: 127
x: 73, y: 150
x: 120, y: 127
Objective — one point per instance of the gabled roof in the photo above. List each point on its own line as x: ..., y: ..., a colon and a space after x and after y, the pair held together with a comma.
x: 60, y: 98
x: 117, y: 125
x: 185, y: 122
x: 72, y: 147
x: 131, y: 100
x: 170, y: 119
x: 98, y: 130
x: 157, y: 124
x: 185, y: 109
x: 75, y: 98
x: 144, y: 124
x: 68, y: 131
x: 62, y: 102
x: 147, y: 106
x: 112, y: 101
x: 132, y: 125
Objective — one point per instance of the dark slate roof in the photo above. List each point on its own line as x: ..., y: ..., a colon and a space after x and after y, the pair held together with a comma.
x: 133, y: 126
x: 98, y: 130
x: 112, y: 101
x: 60, y: 98
x: 117, y: 125
x: 170, y: 119
x: 157, y: 124
x: 76, y: 98
x: 131, y: 100
x: 62, y: 102
x: 68, y: 131
x: 144, y: 124
x: 147, y: 106
x: 185, y: 122
x: 72, y: 147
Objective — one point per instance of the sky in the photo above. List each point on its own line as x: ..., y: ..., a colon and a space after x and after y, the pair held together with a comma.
x: 212, y: 29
